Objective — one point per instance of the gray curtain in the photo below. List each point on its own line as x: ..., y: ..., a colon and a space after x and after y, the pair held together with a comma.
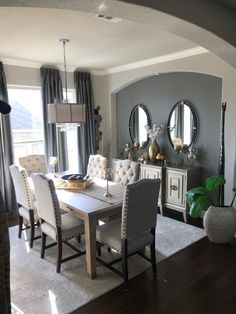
x: 7, y: 200
x: 55, y: 140
x: 6, y: 153
x: 86, y: 132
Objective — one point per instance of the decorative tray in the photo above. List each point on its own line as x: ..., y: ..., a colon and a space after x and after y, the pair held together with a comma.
x: 74, y: 184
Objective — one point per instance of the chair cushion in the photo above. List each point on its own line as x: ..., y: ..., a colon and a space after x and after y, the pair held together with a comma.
x: 110, y: 235
x: 24, y: 212
x: 70, y: 226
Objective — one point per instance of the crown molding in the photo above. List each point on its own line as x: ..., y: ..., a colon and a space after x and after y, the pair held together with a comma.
x: 130, y: 66
x: 35, y: 65
x: 162, y: 59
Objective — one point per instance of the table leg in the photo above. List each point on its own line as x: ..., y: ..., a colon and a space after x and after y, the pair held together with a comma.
x: 90, y: 242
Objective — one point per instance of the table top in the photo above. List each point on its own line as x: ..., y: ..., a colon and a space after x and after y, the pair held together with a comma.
x: 92, y: 200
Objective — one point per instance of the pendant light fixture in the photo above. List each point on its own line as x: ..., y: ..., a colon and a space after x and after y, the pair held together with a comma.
x: 66, y: 112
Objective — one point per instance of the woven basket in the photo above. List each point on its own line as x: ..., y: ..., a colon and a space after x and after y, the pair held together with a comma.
x: 79, y: 184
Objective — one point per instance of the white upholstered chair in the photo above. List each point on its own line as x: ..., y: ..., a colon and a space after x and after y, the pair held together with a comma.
x: 96, y: 166
x: 26, y: 205
x: 126, y: 171
x: 136, y: 229
x: 34, y: 163
x: 60, y: 228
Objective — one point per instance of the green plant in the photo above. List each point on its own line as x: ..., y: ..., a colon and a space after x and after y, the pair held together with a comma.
x: 202, y: 197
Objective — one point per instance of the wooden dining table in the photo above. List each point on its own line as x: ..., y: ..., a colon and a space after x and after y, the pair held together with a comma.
x: 90, y: 205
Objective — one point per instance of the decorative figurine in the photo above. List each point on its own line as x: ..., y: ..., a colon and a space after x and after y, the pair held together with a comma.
x: 127, y: 152
x: 192, y: 154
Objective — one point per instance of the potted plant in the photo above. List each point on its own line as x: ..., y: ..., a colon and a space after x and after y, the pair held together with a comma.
x: 219, y: 221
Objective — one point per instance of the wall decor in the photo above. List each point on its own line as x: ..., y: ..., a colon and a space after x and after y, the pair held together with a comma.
x: 97, y: 120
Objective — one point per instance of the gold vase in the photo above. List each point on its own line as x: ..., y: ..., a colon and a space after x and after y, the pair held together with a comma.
x: 153, y: 150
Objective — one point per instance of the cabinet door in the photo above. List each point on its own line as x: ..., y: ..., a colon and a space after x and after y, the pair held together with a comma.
x: 150, y: 173
x: 175, y: 187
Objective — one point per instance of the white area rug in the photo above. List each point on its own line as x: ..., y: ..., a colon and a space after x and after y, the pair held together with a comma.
x: 36, y: 288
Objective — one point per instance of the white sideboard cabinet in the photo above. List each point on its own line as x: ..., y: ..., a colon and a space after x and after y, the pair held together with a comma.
x: 175, y: 182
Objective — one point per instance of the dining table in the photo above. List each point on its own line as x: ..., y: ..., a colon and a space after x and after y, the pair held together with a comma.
x: 91, y: 204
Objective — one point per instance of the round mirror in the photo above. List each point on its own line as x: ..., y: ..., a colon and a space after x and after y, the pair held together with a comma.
x: 183, y: 125
x: 139, y: 117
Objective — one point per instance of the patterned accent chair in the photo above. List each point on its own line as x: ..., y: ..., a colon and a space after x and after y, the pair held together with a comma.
x: 126, y: 171
x: 59, y: 227
x: 96, y: 166
x: 136, y: 229
x: 34, y: 163
x: 27, y: 208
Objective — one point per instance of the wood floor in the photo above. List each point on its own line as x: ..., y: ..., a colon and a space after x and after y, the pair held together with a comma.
x: 199, y: 279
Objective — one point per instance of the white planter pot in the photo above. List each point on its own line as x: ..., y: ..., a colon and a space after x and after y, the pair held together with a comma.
x: 220, y: 223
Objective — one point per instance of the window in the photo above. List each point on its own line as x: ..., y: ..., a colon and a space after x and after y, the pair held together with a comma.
x: 71, y: 135
x: 26, y: 121
x: 27, y: 124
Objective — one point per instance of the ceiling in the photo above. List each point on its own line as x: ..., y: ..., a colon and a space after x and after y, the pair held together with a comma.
x: 32, y: 35
x: 30, y: 31
x: 229, y: 4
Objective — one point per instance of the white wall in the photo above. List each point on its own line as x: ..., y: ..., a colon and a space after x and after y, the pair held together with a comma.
x: 17, y: 75
x: 207, y: 63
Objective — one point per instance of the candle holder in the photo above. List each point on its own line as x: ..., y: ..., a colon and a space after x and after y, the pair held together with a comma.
x: 53, y: 161
x: 107, y: 177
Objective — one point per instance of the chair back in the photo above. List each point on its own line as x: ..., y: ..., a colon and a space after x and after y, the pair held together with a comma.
x: 21, y: 186
x: 96, y: 166
x: 139, y: 209
x: 126, y: 171
x: 34, y: 163
x: 46, y: 198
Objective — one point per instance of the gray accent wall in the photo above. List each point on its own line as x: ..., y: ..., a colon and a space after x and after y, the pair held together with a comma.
x: 159, y: 94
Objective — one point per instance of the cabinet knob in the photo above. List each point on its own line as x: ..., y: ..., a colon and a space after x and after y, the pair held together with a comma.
x: 174, y: 187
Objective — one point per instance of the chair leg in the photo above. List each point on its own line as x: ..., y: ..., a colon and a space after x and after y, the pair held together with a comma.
x: 20, y: 226
x: 153, y: 252
x: 125, y: 262
x: 99, y: 251
x: 59, y: 251
x: 79, y: 238
x: 43, y: 244
x: 32, y: 228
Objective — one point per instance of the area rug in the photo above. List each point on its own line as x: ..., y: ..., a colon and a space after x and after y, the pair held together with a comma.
x: 36, y: 288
